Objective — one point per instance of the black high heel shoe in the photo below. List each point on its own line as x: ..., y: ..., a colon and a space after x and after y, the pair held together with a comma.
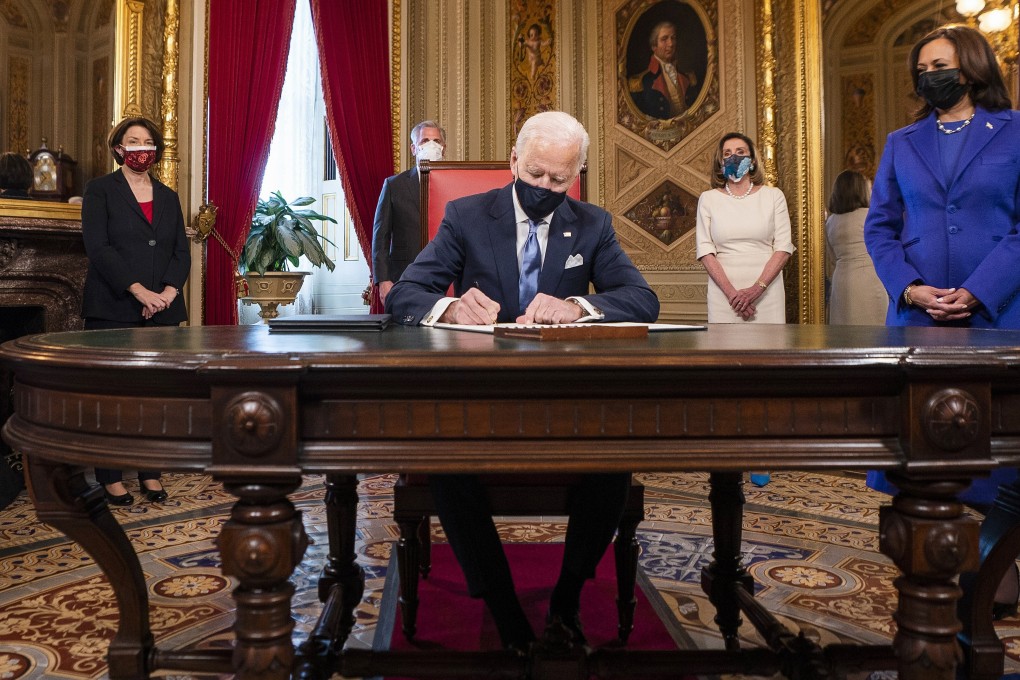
x: 122, y: 500
x: 1005, y: 610
x: 155, y: 495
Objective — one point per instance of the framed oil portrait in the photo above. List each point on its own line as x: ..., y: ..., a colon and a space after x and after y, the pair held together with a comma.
x: 667, y: 68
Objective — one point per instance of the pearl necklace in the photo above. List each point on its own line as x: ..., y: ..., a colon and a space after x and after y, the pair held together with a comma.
x: 947, y: 131
x: 739, y: 198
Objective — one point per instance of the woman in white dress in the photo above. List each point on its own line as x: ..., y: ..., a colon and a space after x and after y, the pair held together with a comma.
x: 743, y: 238
x: 856, y: 297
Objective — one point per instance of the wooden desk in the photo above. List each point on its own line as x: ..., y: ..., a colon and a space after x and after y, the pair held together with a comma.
x: 934, y: 407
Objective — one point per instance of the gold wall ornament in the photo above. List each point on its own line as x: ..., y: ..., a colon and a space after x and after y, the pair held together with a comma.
x: 205, y: 221
x: 127, y: 94
x: 167, y: 170
x: 533, y: 47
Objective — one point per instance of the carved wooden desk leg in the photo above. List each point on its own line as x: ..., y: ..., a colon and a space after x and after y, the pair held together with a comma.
x: 928, y: 537
x: 726, y: 573
x: 65, y: 500
x: 1000, y: 545
x: 261, y: 544
x: 342, y: 568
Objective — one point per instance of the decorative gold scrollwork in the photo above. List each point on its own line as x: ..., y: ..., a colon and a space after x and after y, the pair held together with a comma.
x: 951, y: 419
x: 253, y: 424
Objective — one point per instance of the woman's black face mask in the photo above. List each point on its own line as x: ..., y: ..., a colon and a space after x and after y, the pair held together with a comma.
x: 941, y: 89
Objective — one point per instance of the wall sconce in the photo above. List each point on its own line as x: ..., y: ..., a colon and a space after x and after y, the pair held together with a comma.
x: 998, y: 21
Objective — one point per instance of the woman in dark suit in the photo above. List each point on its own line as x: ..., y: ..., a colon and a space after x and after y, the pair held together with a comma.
x: 945, y: 209
x: 138, y: 255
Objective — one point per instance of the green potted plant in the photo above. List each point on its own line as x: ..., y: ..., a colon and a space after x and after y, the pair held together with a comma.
x: 281, y: 233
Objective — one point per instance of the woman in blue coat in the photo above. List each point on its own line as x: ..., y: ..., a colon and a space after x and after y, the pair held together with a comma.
x: 942, y: 228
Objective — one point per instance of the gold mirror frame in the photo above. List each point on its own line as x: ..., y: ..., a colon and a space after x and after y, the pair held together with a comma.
x: 127, y: 88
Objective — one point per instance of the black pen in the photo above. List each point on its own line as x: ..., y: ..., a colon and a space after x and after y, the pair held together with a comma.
x: 483, y: 293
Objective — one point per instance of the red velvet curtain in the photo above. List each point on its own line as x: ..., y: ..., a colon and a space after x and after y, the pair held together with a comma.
x: 353, y: 40
x: 248, y: 45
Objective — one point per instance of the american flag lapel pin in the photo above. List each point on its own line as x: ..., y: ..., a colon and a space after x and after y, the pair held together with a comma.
x: 566, y: 234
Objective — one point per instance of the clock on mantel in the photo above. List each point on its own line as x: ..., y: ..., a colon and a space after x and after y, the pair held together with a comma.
x: 53, y: 174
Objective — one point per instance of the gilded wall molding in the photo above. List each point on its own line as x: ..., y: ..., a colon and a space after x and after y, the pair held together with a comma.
x: 128, y: 74
x: 167, y: 170
x: 766, y: 87
x: 396, y: 79
x: 799, y: 157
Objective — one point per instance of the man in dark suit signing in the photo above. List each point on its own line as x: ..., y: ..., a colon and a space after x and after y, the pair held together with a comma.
x: 396, y: 232
x: 527, y: 253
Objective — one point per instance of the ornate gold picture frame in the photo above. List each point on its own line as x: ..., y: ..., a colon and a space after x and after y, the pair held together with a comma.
x: 667, y: 68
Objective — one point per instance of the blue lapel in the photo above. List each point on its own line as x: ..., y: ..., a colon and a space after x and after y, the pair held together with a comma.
x: 983, y: 129
x: 923, y: 136
x: 503, y: 239
x: 562, y: 234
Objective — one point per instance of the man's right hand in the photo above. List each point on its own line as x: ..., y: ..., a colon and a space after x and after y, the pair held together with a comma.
x: 474, y: 308
x: 384, y: 290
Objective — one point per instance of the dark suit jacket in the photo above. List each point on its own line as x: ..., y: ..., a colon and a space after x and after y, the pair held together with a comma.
x: 950, y: 232
x: 396, y: 232
x: 476, y: 246
x: 123, y: 248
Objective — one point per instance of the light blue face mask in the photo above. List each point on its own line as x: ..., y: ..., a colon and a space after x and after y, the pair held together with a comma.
x: 735, y: 167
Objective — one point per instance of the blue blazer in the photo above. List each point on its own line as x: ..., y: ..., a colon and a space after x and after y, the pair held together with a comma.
x: 476, y: 246
x: 124, y: 248
x: 950, y: 232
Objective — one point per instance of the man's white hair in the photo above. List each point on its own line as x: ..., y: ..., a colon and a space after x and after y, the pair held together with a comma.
x: 416, y: 131
x: 554, y: 127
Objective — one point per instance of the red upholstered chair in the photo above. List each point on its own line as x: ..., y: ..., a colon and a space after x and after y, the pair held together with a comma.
x: 513, y: 495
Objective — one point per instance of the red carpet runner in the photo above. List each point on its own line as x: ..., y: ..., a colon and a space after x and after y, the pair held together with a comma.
x: 449, y: 619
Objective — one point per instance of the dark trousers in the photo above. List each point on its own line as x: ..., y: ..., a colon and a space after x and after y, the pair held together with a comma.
x: 595, y: 506
x: 105, y: 475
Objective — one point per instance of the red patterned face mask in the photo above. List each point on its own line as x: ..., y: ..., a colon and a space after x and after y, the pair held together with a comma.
x: 139, y: 158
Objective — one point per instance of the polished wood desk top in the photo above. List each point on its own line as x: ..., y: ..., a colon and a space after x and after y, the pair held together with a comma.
x: 410, y: 391
x: 934, y: 407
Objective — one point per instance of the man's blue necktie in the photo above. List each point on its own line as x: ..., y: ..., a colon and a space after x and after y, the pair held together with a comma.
x: 531, y: 266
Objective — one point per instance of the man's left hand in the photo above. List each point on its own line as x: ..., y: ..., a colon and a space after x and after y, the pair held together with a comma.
x: 548, y: 309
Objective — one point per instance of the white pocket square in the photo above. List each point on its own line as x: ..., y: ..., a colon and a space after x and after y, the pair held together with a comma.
x: 574, y: 261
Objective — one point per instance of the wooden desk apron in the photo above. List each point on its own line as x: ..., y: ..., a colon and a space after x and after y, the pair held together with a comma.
x: 934, y: 407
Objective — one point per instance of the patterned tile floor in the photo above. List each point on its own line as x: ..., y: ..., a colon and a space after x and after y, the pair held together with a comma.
x: 810, y: 541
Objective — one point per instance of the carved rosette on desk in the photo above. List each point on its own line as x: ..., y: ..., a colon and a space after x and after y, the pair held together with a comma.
x: 925, y: 532
x: 264, y: 539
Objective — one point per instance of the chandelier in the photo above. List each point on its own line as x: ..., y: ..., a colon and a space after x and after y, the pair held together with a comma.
x: 997, y: 20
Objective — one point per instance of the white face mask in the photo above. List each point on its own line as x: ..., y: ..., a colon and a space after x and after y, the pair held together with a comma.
x: 430, y: 151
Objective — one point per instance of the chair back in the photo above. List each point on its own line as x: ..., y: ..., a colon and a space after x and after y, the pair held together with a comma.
x: 442, y: 181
